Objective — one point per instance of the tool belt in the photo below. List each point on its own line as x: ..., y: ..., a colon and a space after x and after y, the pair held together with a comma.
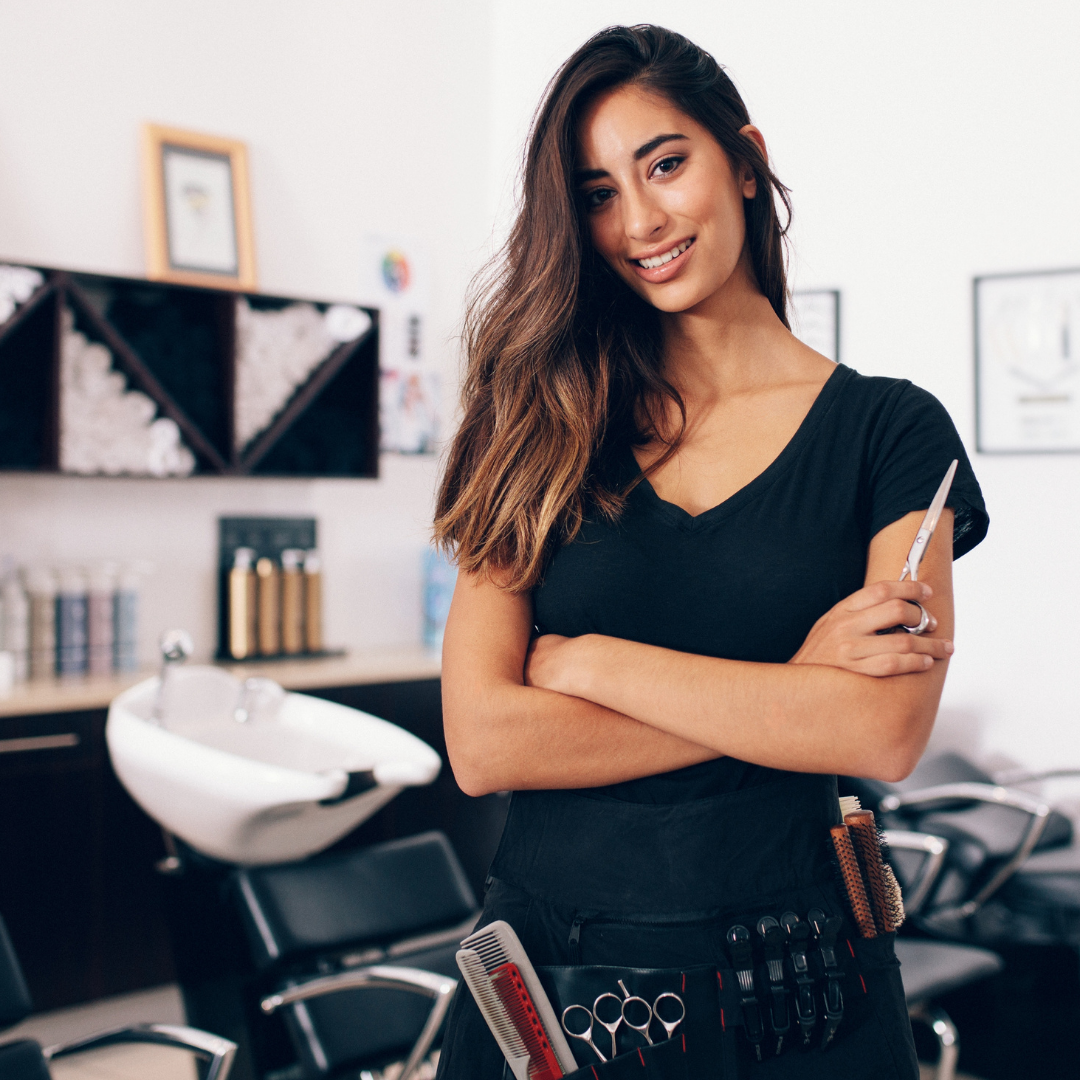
x: 753, y: 1009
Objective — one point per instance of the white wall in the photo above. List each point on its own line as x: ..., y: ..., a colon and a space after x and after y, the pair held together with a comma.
x: 925, y: 143
x: 360, y: 117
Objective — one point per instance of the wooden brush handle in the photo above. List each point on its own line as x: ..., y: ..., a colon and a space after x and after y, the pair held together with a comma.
x: 864, y: 838
x: 853, y: 882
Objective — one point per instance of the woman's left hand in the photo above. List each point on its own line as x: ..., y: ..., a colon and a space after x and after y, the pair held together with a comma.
x: 854, y: 634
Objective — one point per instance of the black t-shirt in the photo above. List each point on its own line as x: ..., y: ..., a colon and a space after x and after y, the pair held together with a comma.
x: 746, y: 580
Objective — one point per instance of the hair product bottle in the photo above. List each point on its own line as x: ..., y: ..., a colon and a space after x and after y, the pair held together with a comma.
x: 313, y: 601
x: 243, y: 628
x: 269, y: 607
x: 440, y: 577
x: 292, y: 601
x: 16, y: 626
x: 71, y: 628
x: 100, y: 613
x: 41, y: 586
x: 126, y: 621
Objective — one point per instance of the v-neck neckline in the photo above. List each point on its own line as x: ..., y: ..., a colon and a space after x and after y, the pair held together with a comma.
x: 676, y: 515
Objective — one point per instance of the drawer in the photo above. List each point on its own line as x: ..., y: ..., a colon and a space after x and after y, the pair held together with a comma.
x: 60, y: 740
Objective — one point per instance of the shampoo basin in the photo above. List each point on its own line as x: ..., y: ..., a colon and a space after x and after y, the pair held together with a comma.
x: 275, y: 788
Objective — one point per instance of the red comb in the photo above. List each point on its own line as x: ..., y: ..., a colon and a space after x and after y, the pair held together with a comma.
x: 512, y: 992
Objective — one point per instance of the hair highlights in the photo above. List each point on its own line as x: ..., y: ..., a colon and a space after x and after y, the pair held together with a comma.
x: 564, y: 361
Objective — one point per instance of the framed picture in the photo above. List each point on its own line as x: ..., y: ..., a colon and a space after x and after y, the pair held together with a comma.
x: 198, y: 210
x: 1027, y: 362
x: 815, y: 320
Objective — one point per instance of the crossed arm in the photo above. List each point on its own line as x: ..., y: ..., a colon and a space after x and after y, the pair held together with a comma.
x: 594, y: 710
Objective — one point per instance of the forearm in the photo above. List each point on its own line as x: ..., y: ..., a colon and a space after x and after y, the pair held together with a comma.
x: 504, y: 736
x: 802, y: 717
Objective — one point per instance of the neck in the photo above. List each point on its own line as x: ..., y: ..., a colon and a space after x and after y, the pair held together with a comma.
x: 725, y: 345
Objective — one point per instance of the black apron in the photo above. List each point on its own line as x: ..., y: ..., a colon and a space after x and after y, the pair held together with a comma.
x: 600, y: 889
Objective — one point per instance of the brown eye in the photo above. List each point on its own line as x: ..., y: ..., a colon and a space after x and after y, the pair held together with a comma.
x: 666, y: 166
x: 597, y: 197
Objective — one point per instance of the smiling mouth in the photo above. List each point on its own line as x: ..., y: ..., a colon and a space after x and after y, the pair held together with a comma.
x: 660, y: 260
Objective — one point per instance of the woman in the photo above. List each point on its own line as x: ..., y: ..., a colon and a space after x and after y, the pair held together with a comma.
x: 679, y: 532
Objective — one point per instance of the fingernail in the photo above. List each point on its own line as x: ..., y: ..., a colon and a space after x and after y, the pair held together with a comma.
x: 949, y: 647
x: 927, y: 591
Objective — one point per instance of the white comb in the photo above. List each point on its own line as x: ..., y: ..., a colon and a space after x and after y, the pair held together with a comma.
x: 493, y: 1011
x: 848, y: 805
x: 497, y: 944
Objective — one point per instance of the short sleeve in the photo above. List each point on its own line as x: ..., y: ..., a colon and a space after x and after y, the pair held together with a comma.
x: 910, y: 452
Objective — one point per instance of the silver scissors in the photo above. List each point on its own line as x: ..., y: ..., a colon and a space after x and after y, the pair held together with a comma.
x: 585, y: 1035
x: 617, y: 1011
x: 919, y: 546
x: 929, y: 524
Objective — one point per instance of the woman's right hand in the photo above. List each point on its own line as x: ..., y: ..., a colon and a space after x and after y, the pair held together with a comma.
x: 847, y: 637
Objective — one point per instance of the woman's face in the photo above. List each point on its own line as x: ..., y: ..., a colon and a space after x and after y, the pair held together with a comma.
x: 659, y: 190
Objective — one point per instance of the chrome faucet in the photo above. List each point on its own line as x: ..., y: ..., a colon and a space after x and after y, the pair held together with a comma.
x: 259, y: 699
x: 176, y: 646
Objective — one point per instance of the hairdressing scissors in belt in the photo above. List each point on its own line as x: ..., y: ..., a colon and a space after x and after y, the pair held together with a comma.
x: 642, y: 1011
x: 919, y: 546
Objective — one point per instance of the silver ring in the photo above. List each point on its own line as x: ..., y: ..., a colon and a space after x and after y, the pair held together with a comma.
x: 924, y: 621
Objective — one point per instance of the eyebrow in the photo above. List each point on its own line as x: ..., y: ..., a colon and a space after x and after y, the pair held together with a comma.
x: 652, y: 144
x: 583, y: 176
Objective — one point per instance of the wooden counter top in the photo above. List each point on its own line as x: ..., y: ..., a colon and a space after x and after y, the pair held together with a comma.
x: 401, y: 663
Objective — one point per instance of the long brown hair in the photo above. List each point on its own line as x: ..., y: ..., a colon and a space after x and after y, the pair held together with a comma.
x: 564, y: 361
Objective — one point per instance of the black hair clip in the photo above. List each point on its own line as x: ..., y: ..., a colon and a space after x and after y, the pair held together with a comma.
x: 799, y: 945
x: 773, y: 935
x: 827, y: 930
x: 742, y: 960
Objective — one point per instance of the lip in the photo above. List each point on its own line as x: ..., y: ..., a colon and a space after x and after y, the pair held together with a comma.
x: 659, y: 274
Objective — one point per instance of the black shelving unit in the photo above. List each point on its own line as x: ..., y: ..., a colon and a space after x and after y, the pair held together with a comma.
x: 176, y: 344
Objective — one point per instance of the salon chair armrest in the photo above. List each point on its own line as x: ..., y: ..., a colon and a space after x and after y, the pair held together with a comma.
x: 1024, y: 776
x: 994, y: 795
x: 217, y: 1051
x: 380, y: 977
x: 935, y: 849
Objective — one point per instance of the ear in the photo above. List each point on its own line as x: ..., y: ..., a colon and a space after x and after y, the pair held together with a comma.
x: 749, y: 181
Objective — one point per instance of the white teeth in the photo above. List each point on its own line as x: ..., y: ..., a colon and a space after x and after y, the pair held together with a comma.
x: 660, y: 260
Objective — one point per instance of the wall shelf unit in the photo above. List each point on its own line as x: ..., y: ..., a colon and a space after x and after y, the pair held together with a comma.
x: 112, y: 376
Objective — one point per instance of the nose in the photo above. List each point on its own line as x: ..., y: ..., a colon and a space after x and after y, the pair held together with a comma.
x: 643, y: 217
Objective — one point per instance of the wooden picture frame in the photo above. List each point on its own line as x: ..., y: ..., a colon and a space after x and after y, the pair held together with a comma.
x: 197, y: 209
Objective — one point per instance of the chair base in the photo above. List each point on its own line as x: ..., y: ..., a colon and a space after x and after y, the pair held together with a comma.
x: 948, y: 1039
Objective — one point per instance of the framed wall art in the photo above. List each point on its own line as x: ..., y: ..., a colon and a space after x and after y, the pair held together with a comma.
x: 1027, y: 374
x: 198, y: 209
x: 815, y: 320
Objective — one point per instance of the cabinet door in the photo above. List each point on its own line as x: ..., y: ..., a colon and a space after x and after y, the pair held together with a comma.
x: 77, y: 885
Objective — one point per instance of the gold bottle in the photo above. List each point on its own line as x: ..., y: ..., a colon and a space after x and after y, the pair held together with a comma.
x: 313, y: 602
x: 243, y: 628
x: 269, y: 607
x: 292, y: 601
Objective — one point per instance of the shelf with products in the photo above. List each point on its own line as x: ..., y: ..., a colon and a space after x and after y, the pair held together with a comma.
x: 112, y: 376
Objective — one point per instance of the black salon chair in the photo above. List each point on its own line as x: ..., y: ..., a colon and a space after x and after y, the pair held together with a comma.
x: 356, y: 950
x: 1009, y: 867
x: 25, y: 1059
x: 931, y: 969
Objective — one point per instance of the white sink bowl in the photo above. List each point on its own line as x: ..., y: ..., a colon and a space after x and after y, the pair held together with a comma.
x: 270, y: 790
